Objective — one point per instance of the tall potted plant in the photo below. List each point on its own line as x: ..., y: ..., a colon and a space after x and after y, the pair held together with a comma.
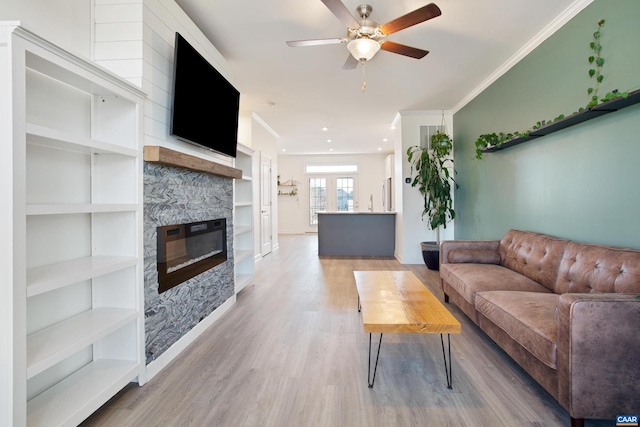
x: 433, y: 167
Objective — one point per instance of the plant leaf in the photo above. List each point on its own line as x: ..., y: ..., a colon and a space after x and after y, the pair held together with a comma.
x: 592, y: 72
x: 600, y: 61
x: 589, y: 91
x: 591, y: 59
x: 600, y: 78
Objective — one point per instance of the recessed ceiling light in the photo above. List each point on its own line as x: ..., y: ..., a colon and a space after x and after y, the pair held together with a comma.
x: 328, y: 140
x: 330, y: 149
x: 385, y: 139
x: 379, y: 149
x: 324, y: 128
x: 392, y: 127
x: 284, y: 149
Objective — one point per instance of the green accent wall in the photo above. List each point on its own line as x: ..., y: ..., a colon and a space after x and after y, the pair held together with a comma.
x: 581, y: 183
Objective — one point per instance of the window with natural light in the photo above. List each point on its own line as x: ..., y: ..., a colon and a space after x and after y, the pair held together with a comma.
x: 331, y: 168
x: 317, y: 198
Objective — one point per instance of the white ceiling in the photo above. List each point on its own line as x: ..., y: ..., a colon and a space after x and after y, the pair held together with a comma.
x: 297, y: 91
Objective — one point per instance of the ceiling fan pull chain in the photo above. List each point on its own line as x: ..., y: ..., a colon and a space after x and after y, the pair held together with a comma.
x: 364, y: 80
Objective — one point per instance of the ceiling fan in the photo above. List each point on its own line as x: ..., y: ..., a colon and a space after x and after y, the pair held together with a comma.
x: 365, y: 37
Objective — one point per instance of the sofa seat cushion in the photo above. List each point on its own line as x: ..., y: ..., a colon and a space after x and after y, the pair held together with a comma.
x: 527, y: 317
x: 467, y: 279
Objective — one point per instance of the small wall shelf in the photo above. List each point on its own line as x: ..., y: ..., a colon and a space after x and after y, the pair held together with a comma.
x: 574, y: 119
x: 288, y: 188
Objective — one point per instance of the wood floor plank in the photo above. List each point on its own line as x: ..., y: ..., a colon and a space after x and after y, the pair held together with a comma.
x: 292, y: 352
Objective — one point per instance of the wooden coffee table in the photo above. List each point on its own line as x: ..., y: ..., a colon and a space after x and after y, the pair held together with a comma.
x: 397, y: 302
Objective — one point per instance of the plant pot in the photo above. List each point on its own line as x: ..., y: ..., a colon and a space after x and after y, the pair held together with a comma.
x: 431, y: 255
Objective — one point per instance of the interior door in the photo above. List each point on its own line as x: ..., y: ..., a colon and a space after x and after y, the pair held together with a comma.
x: 265, y: 204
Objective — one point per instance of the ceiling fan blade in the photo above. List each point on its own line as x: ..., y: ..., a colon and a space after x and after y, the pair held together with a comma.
x: 316, y: 42
x: 412, y: 18
x: 404, y: 50
x: 342, y: 13
x: 350, y: 63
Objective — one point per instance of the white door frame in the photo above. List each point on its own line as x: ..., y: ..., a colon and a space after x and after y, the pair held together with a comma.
x: 266, y: 211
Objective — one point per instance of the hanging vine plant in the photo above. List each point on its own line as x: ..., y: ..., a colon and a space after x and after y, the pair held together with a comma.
x: 596, y: 63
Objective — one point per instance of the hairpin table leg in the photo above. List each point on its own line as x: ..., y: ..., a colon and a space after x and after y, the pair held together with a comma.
x: 447, y: 370
x: 369, y: 379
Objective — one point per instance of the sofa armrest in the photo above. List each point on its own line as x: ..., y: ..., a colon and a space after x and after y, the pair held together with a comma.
x: 478, y: 251
x: 598, y: 354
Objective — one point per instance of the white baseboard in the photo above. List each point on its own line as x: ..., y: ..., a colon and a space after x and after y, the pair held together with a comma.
x: 172, y: 352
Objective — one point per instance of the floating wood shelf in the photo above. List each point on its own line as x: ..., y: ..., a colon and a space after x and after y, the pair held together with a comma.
x: 166, y: 156
x: 574, y: 119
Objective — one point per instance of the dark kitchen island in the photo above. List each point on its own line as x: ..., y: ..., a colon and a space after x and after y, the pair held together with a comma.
x: 357, y: 233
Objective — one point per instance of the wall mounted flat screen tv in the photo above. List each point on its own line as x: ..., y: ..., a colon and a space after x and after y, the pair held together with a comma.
x: 204, y: 106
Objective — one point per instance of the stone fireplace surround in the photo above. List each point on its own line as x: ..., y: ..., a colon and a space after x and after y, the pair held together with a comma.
x: 173, y: 195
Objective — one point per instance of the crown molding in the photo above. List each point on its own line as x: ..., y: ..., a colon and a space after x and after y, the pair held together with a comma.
x: 570, y: 12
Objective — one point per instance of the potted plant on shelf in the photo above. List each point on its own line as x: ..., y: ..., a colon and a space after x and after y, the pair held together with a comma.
x: 434, y: 178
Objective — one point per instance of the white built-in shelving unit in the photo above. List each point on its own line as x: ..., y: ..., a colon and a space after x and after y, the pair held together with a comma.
x: 243, y: 219
x: 74, y: 316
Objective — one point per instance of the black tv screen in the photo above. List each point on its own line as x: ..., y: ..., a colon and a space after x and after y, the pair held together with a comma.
x: 204, y: 106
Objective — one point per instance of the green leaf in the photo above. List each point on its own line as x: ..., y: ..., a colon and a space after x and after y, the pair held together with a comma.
x: 600, y: 78
x: 591, y: 59
x: 592, y: 45
x: 592, y: 72
x: 600, y: 62
x: 596, y: 35
x: 597, y: 48
x: 589, y: 91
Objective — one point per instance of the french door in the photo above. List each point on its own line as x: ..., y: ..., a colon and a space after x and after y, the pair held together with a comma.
x: 331, y: 193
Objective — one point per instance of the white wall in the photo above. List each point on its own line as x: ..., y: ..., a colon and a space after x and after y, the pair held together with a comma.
x: 411, y: 228
x: 293, y: 212
x: 66, y: 23
x: 134, y: 39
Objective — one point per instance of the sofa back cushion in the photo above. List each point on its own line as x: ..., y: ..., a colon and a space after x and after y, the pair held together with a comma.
x: 589, y: 268
x: 533, y: 255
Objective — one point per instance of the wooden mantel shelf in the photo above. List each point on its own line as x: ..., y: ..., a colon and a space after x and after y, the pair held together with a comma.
x: 166, y: 156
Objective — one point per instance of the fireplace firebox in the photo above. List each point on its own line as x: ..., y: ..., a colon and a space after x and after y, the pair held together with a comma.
x: 187, y: 250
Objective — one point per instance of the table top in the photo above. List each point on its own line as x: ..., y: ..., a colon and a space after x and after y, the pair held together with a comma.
x: 398, y: 302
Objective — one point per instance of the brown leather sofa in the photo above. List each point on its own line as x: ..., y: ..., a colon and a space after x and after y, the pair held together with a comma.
x: 566, y: 312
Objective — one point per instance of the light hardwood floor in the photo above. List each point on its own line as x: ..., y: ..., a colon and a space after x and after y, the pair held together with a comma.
x: 292, y: 352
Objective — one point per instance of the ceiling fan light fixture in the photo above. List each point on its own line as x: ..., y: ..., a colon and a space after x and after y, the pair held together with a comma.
x: 363, y: 49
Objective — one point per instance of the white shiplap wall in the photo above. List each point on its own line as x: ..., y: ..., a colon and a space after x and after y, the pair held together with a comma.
x: 134, y: 39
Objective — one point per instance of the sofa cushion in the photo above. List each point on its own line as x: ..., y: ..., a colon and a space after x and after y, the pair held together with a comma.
x: 477, y: 256
x: 467, y: 279
x: 533, y: 255
x: 527, y: 317
x: 595, y: 268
